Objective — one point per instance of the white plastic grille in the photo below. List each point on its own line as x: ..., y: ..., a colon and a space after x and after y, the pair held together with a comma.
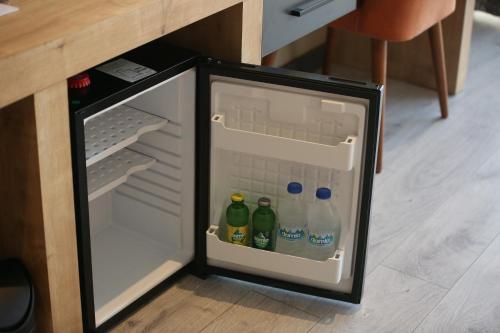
x: 114, y: 170
x: 117, y: 128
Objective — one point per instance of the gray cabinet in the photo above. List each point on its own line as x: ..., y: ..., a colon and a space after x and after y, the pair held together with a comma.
x: 287, y: 20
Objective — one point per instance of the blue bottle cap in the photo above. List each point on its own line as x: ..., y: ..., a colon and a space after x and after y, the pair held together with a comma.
x: 323, y: 193
x: 294, y: 188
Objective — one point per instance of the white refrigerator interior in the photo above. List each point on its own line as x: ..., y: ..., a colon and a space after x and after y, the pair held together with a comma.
x: 140, y: 174
x: 264, y: 136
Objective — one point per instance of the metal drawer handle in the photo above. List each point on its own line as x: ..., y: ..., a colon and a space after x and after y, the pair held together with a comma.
x: 308, y: 7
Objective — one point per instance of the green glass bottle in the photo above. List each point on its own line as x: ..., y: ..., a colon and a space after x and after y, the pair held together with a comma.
x: 237, y: 216
x: 263, y: 222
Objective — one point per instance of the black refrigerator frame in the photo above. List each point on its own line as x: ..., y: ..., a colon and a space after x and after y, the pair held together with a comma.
x: 205, y: 67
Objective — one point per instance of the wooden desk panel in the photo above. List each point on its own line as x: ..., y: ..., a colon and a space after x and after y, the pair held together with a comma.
x: 50, y: 40
x: 37, y: 220
x: 42, y: 45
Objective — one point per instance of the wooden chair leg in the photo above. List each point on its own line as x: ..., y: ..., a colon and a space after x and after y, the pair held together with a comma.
x: 379, y: 75
x: 328, y: 57
x: 269, y: 59
x: 437, y: 48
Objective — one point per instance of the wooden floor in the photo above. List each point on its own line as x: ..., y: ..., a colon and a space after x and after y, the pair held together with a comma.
x: 434, y: 263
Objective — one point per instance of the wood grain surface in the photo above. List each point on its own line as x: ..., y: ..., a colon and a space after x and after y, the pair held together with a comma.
x: 37, y: 221
x: 258, y: 313
x: 234, y: 34
x: 189, y: 306
x: 472, y: 304
x: 393, y: 302
x: 47, y: 41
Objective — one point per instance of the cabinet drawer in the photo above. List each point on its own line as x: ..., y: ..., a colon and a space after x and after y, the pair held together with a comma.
x: 281, y: 27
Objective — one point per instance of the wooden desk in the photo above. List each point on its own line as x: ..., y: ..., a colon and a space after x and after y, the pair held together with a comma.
x: 44, y: 43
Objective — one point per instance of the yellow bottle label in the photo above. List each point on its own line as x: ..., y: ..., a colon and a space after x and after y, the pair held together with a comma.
x: 237, y: 235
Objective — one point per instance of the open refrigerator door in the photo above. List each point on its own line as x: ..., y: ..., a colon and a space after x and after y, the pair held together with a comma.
x: 265, y: 134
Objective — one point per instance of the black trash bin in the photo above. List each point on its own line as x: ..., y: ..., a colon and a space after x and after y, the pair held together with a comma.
x: 17, y: 298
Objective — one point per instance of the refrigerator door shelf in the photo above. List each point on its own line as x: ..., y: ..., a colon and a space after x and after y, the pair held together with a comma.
x: 325, y: 274
x: 116, y: 128
x: 340, y: 156
x: 114, y: 170
x: 266, y: 128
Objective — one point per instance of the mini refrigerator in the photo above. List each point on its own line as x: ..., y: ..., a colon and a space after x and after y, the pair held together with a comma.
x: 161, y: 137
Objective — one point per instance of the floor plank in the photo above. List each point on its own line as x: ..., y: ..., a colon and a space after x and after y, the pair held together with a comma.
x: 425, y: 155
x: 421, y: 147
x: 316, y: 306
x: 421, y: 179
x: 473, y: 304
x: 393, y: 302
x: 479, y: 103
x: 188, y: 306
x: 258, y: 313
x: 442, y: 248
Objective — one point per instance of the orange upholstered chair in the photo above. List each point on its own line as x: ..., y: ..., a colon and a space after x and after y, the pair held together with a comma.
x: 396, y: 21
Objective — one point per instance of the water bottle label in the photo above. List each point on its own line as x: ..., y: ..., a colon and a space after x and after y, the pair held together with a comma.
x: 262, y: 240
x: 323, y: 239
x: 291, y: 234
x: 237, y: 235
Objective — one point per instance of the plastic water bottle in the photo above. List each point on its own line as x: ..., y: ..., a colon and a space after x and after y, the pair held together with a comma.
x: 323, y: 222
x: 290, y: 238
